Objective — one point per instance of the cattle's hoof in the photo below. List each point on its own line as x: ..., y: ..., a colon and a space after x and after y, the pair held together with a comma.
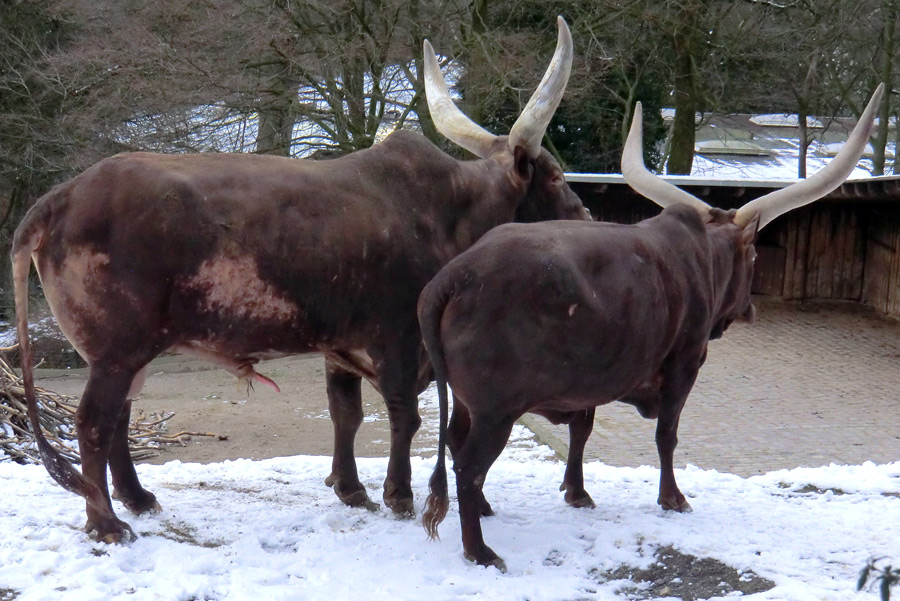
x: 402, y: 508
x: 399, y: 500
x: 675, y: 504
x: 113, y: 531
x: 139, y: 504
x: 487, y: 558
x: 580, y: 499
x: 352, y: 496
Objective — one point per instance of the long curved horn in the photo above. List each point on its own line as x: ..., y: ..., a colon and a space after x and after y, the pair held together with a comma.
x: 529, y: 128
x: 447, y: 117
x: 830, y: 177
x: 645, y: 183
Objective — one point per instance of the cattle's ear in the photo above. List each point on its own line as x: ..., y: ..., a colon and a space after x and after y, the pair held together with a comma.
x: 750, y: 230
x: 521, y: 162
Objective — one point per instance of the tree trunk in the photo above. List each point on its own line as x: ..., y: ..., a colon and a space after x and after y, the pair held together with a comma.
x: 888, y: 41
x: 354, y: 81
x: 681, y: 156
x: 803, y: 106
x: 896, y: 143
x: 277, y: 112
x: 803, y: 134
x: 473, y: 104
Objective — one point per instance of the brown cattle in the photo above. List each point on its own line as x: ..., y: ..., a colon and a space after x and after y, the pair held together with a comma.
x: 241, y: 258
x: 558, y: 318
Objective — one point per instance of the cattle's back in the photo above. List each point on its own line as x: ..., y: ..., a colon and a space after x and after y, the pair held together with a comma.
x: 196, y: 242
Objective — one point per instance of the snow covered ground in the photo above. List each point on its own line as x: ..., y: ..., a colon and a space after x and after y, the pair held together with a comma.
x: 268, y: 530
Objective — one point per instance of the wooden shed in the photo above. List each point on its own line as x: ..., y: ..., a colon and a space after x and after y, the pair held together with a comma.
x: 844, y: 247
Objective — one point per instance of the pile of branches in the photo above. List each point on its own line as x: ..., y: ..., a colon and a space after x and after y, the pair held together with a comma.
x: 146, y: 434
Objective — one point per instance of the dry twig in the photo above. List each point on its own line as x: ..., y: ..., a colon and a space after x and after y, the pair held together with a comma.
x: 57, y: 413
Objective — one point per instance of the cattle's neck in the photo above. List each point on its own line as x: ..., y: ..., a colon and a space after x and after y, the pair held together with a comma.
x: 484, y: 193
x: 731, y: 273
x: 708, y: 259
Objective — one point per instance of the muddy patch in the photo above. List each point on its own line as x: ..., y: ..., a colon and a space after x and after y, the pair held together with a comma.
x: 181, y: 533
x: 686, y: 577
x: 810, y: 489
x: 7, y: 594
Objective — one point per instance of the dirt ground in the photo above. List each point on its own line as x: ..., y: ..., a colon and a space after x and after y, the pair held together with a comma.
x: 257, y: 425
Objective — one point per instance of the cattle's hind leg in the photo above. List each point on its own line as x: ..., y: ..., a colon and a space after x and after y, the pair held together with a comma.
x: 580, y: 427
x: 456, y: 436
x: 471, y: 463
x: 345, y: 406
x: 126, y: 486
x: 98, y: 417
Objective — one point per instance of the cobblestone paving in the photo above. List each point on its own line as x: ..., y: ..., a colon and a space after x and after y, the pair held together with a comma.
x: 806, y: 385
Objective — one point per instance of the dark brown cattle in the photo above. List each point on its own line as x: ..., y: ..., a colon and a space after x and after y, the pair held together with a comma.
x: 558, y: 318
x: 240, y: 258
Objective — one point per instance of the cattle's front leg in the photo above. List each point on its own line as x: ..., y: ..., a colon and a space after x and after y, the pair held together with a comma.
x: 126, y: 486
x: 397, y: 372
x: 674, y: 394
x: 580, y: 427
x: 96, y: 420
x: 345, y: 407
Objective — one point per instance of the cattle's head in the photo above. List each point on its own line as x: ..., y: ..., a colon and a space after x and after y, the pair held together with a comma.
x: 542, y: 191
x: 735, y: 232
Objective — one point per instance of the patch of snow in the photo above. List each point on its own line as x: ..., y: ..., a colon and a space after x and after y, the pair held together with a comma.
x: 668, y: 114
x: 248, y: 530
x: 892, y: 122
x: 784, y: 120
x: 832, y: 149
x: 779, y: 165
x: 43, y: 327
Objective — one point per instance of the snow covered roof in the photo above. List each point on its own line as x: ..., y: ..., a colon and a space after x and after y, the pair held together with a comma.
x: 767, y: 147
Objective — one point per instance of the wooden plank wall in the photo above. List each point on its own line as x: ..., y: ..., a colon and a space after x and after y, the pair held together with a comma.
x: 825, y: 251
x: 881, y: 284
x: 842, y: 251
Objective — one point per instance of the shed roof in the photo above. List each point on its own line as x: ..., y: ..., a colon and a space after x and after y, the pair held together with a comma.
x: 886, y: 187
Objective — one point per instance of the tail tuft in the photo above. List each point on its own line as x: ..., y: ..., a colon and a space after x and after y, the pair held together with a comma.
x: 437, y: 503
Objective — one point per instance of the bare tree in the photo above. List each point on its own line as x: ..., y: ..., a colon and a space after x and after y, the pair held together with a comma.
x: 868, y: 56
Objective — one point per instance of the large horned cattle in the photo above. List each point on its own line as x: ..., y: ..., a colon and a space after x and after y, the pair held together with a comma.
x: 240, y: 258
x: 559, y: 318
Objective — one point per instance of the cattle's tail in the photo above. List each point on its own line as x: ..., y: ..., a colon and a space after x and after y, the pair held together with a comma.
x: 431, y: 308
x: 28, y: 239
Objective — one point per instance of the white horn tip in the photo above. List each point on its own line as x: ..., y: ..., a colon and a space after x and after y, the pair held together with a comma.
x: 563, y: 27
